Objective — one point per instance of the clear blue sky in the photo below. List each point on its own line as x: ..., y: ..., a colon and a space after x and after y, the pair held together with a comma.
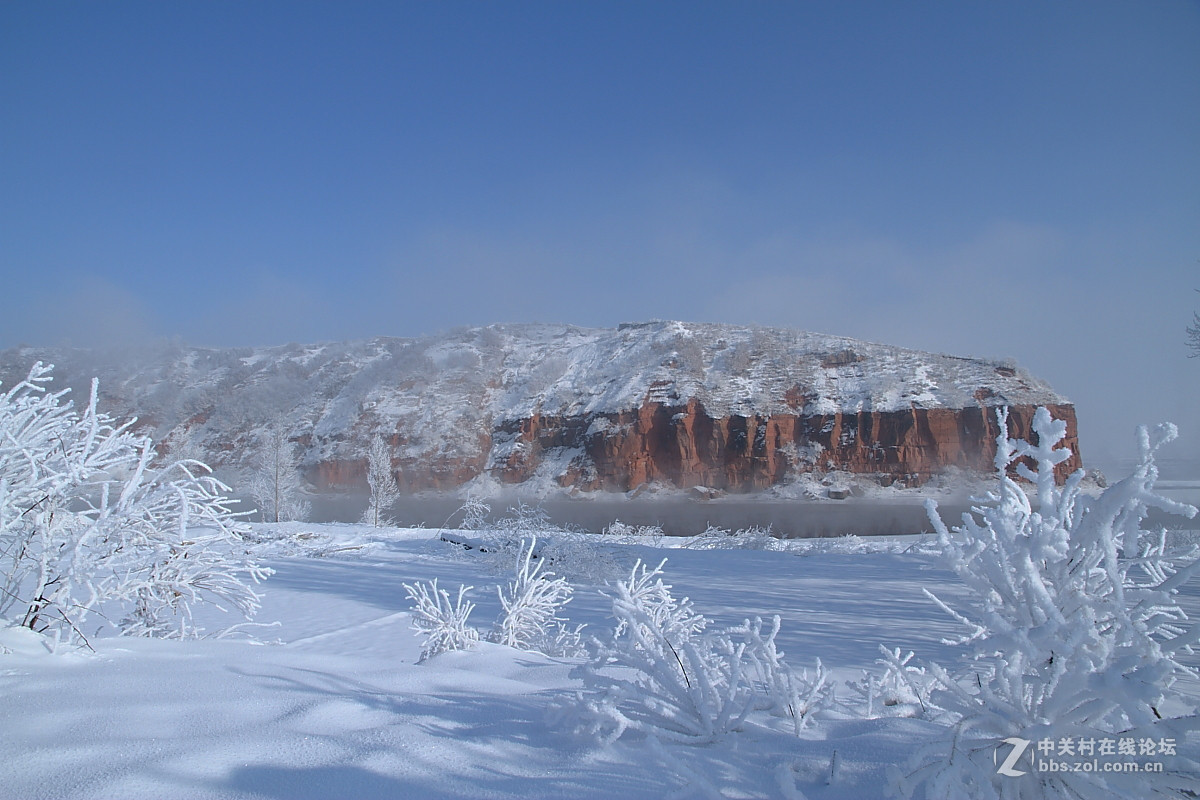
x: 999, y: 179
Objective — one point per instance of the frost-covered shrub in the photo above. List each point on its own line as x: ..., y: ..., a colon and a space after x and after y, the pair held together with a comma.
x: 895, y: 688
x: 499, y: 544
x: 752, y: 538
x: 851, y: 544
x: 671, y: 680
x: 444, y: 623
x: 666, y: 675
x: 846, y: 544
x: 496, y: 545
x: 775, y: 686
x: 583, y: 558
x: 577, y: 556
x: 474, y: 513
x: 522, y: 522
x: 87, y: 522
x: 529, y: 609
x: 618, y: 532
x: 528, y: 619
x: 1068, y: 640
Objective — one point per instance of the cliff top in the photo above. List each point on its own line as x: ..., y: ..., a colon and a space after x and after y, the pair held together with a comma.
x: 445, y: 390
x: 736, y: 370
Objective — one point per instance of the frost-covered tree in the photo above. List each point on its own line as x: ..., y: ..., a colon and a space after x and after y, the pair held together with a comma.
x: 275, y: 481
x: 382, y: 481
x: 1074, y: 635
x: 88, y: 524
x: 1193, y: 336
x: 182, y: 445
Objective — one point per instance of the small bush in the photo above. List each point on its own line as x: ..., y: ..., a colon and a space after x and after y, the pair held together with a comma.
x: 775, y: 686
x: 618, y: 532
x: 681, y: 685
x: 896, y: 688
x: 443, y: 623
x: 665, y: 675
x: 576, y: 556
x: 530, y: 605
x: 752, y: 538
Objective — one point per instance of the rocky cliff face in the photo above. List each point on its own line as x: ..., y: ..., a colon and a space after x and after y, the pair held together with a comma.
x: 687, y: 447
x: 546, y: 408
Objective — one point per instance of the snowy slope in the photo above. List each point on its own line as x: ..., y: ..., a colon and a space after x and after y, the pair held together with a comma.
x: 446, y: 395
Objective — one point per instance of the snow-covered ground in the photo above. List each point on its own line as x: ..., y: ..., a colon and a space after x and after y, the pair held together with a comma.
x: 335, y: 705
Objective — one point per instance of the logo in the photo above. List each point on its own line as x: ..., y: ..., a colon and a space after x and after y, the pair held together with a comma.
x: 1007, y: 768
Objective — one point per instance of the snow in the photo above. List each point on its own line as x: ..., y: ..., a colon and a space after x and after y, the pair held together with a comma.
x: 336, y: 705
x: 339, y: 707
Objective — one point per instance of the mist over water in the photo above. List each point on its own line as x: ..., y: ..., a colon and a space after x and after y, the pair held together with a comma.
x: 677, y: 517
x: 682, y: 517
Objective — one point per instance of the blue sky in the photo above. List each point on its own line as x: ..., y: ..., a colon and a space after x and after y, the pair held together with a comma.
x: 997, y: 179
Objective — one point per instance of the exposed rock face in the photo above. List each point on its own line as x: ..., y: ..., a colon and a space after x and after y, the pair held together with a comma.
x: 686, y: 447
x: 547, y: 407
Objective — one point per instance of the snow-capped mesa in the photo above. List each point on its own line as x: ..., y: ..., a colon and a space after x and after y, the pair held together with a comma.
x: 558, y: 408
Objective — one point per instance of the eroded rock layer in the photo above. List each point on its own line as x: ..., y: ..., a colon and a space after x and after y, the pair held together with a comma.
x: 686, y: 447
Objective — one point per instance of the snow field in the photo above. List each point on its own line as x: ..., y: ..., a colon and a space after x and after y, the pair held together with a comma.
x: 336, y: 705
x: 340, y: 708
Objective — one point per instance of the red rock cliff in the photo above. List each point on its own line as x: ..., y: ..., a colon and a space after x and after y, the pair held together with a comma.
x: 685, y: 447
